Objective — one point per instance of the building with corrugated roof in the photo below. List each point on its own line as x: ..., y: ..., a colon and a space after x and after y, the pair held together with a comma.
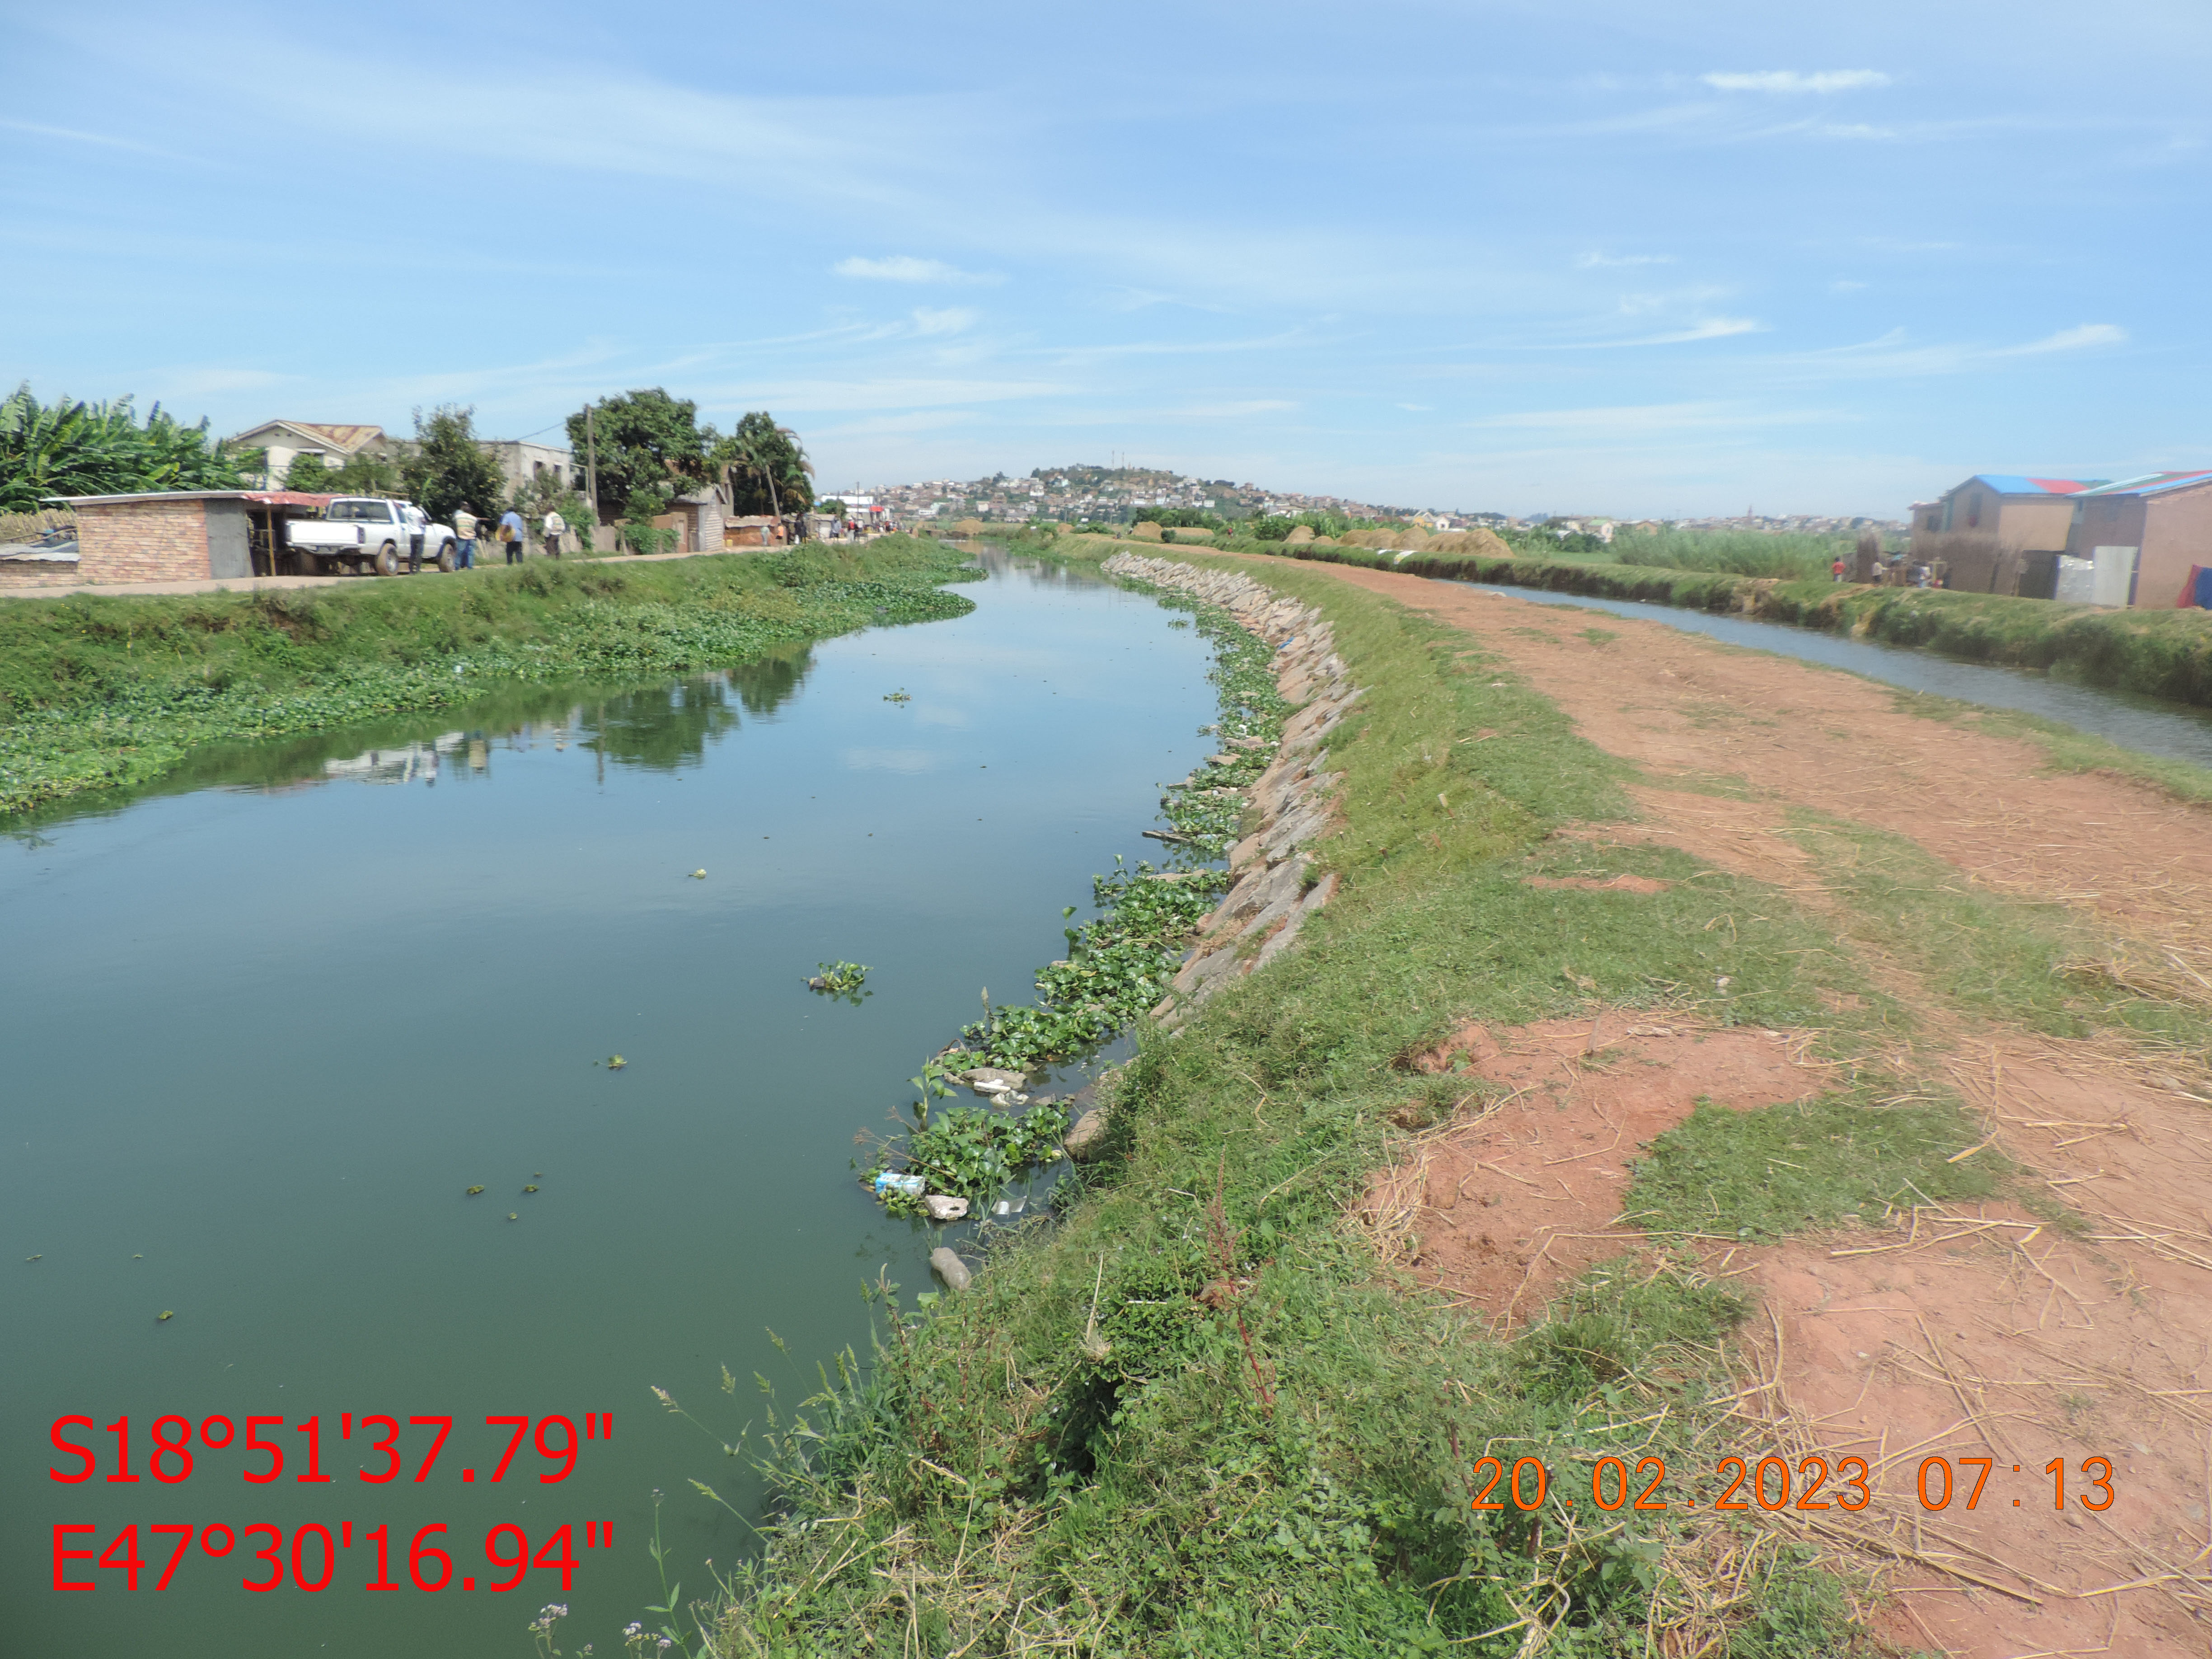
x: 334, y: 442
x: 2159, y: 524
x: 2022, y: 512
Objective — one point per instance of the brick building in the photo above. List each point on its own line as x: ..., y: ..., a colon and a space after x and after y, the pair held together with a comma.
x: 2158, y: 527
x: 181, y: 535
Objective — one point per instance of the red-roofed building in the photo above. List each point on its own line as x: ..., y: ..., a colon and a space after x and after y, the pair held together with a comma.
x: 2022, y: 514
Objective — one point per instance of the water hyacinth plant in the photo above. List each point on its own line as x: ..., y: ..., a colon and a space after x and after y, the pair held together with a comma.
x: 1117, y: 966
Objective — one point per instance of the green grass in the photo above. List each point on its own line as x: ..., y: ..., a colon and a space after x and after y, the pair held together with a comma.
x: 2156, y: 653
x: 108, y: 692
x: 2004, y: 959
x: 1282, y: 1464
x: 1763, y: 1174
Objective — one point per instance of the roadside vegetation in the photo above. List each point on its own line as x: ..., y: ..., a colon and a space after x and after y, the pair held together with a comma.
x: 68, y: 447
x: 1199, y: 1413
x: 103, y: 692
x: 2159, y: 654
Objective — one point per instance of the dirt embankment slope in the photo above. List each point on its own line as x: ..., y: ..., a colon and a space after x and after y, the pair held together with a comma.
x: 1973, y: 1332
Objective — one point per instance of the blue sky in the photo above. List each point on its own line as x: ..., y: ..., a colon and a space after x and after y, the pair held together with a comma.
x: 1565, y: 255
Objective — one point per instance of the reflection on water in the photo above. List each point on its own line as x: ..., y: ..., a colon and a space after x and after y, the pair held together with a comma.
x: 661, y: 728
x: 264, y: 1033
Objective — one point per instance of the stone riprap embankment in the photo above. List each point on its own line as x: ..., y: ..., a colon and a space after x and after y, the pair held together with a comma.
x: 1273, y: 897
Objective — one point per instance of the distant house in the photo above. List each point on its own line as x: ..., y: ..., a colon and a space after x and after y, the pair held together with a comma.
x: 518, y: 463
x: 2022, y: 512
x: 1999, y: 532
x: 521, y: 463
x: 2154, y: 528
x: 284, y: 441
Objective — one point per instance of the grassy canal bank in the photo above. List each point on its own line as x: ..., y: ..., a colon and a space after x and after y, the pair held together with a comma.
x: 103, y: 692
x: 1211, y: 1411
x: 2159, y: 654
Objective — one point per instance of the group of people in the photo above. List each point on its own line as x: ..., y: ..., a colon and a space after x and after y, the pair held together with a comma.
x: 1895, y: 572
x: 511, y: 533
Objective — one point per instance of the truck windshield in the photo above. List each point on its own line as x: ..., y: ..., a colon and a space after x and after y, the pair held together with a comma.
x: 360, y: 511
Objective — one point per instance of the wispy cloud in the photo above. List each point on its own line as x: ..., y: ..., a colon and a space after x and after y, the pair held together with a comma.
x: 103, y: 141
x: 1708, y: 328
x: 953, y: 319
x: 1600, y: 261
x: 2070, y: 340
x: 1795, y: 82
x: 905, y: 267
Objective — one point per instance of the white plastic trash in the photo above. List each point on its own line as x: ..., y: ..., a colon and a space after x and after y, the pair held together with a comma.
x: 890, y: 1181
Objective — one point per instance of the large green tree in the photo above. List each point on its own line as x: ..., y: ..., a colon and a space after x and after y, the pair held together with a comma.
x: 763, y: 466
x: 72, y: 448
x: 449, y: 469
x: 645, y: 449
x: 364, y: 473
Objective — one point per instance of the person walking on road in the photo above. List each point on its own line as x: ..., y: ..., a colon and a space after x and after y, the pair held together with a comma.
x: 554, y: 525
x: 464, y: 540
x: 515, y: 534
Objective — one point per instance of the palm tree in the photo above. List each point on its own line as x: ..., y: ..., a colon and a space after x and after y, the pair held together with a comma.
x: 766, y: 450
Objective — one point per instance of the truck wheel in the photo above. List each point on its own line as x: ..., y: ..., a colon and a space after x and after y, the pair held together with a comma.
x: 310, y: 565
x: 386, y: 561
x: 445, y: 559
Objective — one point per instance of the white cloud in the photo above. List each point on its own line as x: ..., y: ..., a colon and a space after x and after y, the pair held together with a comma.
x: 954, y: 319
x: 1846, y: 285
x: 1792, y: 82
x: 1593, y: 261
x: 905, y: 267
x: 1709, y: 328
x: 2070, y: 340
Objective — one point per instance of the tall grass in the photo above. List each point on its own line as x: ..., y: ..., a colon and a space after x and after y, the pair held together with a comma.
x: 1736, y: 552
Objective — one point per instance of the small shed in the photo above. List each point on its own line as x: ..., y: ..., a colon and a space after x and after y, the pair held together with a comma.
x: 184, y: 535
x: 753, y: 529
x: 697, y: 519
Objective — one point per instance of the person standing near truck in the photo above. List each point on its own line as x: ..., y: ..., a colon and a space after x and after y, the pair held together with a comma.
x: 554, y: 525
x: 465, y: 539
x: 513, y: 532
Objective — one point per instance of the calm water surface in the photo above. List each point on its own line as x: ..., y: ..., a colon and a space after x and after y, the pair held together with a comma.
x: 260, y: 1039
x: 2150, y: 725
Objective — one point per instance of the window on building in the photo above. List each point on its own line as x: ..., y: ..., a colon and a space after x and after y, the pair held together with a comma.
x: 1974, y: 512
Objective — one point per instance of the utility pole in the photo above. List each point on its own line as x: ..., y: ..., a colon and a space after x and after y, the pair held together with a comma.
x: 592, y: 470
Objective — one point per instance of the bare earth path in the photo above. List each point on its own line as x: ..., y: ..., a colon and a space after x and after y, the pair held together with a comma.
x: 1981, y: 1334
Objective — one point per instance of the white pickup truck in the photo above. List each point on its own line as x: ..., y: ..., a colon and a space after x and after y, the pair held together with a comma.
x: 372, y: 533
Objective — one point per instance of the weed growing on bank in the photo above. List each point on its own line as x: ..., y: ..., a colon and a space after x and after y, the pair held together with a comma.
x: 112, y: 691
x: 1196, y: 1416
x: 2156, y: 653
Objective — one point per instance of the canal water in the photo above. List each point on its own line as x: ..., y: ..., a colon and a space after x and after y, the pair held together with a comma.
x: 263, y: 1034
x: 2150, y: 725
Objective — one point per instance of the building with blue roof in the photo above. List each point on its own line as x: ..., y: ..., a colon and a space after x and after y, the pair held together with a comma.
x: 2161, y: 524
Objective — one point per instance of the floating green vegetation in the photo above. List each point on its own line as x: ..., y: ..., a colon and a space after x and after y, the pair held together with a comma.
x: 109, y: 691
x: 1119, y: 965
x: 838, y: 979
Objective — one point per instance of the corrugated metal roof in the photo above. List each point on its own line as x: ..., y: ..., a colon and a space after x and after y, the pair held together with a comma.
x: 2014, y: 483
x: 259, y: 497
x: 2152, y: 482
